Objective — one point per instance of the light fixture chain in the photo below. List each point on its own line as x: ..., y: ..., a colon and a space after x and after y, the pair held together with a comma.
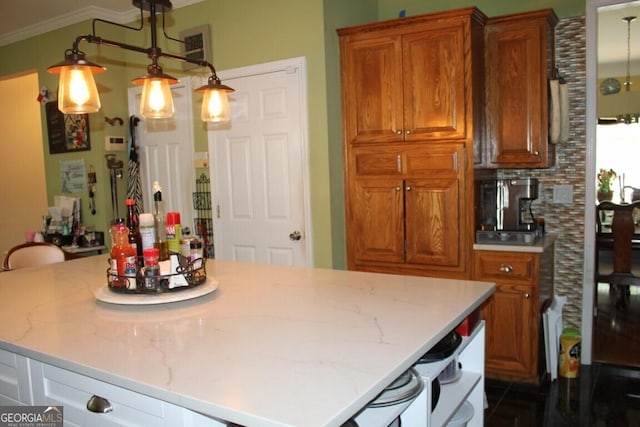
x: 627, y: 82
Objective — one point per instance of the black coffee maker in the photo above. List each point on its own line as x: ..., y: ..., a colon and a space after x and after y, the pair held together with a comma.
x: 505, y: 204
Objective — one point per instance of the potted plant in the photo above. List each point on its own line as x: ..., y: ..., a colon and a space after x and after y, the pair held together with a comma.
x: 605, y: 192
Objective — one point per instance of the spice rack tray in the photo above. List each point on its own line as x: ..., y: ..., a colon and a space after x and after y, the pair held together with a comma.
x: 175, y: 275
x: 104, y: 294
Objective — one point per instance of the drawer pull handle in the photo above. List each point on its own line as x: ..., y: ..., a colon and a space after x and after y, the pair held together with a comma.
x: 99, y: 405
x: 526, y: 295
x: 505, y: 268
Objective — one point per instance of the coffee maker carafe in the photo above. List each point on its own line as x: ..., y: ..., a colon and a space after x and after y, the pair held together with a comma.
x: 505, y: 204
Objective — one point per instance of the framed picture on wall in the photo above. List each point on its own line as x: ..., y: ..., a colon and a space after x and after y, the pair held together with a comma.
x: 67, y: 132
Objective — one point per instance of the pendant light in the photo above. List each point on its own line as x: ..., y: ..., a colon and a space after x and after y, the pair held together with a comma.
x: 78, y: 94
x: 77, y: 91
x: 620, y: 106
x: 631, y: 103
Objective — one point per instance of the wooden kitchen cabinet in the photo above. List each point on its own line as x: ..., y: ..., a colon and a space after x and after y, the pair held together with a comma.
x: 519, y: 61
x: 406, y: 209
x: 404, y: 86
x: 412, y: 109
x: 514, y: 337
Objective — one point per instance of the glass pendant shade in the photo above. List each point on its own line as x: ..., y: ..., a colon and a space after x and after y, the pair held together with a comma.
x: 157, y: 101
x: 215, y: 107
x: 215, y: 101
x: 77, y: 91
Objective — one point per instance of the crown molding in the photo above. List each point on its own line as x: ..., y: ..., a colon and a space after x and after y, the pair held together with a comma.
x: 83, y: 14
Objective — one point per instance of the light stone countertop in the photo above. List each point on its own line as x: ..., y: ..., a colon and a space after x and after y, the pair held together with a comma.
x: 538, y: 247
x: 274, y: 346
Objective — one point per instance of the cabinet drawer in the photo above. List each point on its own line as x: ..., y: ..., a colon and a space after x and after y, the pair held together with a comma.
x: 506, y: 266
x: 55, y: 386
x: 444, y: 160
x: 376, y: 161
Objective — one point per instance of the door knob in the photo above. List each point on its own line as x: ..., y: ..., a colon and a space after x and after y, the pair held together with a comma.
x: 295, y: 235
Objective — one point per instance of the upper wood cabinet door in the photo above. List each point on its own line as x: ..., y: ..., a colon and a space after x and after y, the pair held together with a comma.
x: 405, y: 87
x: 519, y: 59
x: 434, y: 82
x: 372, y: 89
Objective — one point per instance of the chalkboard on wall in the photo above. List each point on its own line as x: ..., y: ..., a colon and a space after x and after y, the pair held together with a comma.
x: 67, y: 132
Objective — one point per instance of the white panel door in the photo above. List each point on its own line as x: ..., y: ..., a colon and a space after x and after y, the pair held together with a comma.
x: 259, y: 169
x: 166, y: 154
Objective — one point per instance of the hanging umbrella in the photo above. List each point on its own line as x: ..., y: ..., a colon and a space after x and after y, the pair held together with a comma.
x: 134, y: 187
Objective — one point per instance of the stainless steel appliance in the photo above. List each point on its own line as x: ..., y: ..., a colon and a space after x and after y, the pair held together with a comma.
x: 503, y: 211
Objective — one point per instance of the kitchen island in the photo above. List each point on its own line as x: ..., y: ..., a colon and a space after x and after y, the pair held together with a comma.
x: 271, y: 346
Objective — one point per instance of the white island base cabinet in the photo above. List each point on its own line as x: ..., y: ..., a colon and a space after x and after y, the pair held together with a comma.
x: 25, y: 381
x: 55, y: 386
x: 15, y: 388
x: 469, y: 387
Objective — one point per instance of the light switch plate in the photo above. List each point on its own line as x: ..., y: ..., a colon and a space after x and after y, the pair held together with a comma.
x: 201, y: 159
x: 563, y: 194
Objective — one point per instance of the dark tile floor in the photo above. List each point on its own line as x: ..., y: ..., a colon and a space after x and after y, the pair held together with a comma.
x: 603, y: 395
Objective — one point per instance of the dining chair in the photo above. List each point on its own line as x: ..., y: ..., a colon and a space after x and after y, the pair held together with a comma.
x: 32, y: 254
x: 618, y: 240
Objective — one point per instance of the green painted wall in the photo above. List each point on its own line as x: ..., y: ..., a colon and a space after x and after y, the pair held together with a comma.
x: 388, y: 9
x: 338, y: 14
x: 40, y: 52
x: 244, y: 32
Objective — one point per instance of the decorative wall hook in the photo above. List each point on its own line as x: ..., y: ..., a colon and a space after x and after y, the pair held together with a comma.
x: 113, y: 121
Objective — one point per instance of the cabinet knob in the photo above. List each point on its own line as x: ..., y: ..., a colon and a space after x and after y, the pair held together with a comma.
x: 398, y: 132
x: 408, y: 132
x: 527, y: 296
x: 398, y: 188
x: 537, y: 153
x: 99, y: 405
x: 408, y: 188
x: 505, y: 268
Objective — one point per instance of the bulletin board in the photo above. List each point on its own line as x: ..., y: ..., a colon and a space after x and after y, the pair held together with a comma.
x: 66, y: 132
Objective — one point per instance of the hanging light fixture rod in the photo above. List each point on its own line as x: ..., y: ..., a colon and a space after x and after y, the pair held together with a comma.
x: 77, y: 93
x: 627, y: 81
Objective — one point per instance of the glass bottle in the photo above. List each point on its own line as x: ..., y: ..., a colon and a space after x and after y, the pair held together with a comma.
x: 135, y: 238
x: 151, y: 269
x: 123, y: 259
x: 160, y: 223
x: 147, y: 230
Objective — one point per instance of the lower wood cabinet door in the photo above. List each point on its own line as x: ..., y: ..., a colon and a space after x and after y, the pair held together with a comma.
x: 376, y: 221
x: 510, y: 344
x: 524, y: 280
